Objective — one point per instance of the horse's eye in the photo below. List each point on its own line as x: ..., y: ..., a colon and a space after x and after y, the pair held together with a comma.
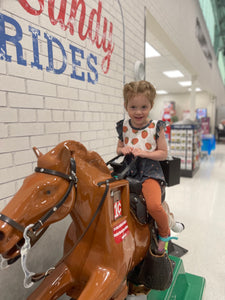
x: 48, y: 192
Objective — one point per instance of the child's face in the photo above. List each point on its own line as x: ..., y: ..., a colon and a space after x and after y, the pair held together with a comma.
x: 138, y: 109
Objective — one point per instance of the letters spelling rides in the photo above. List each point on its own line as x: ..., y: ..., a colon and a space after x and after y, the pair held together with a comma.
x: 101, y: 40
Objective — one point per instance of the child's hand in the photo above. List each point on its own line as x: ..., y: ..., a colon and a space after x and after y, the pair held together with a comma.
x: 139, y: 152
x: 126, y: 150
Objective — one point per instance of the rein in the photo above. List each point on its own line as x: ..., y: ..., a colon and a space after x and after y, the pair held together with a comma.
x: 30, y: 237
x: 40, y: 276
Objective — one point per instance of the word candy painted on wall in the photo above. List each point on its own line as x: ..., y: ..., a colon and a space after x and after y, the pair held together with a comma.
x: 77, y: 55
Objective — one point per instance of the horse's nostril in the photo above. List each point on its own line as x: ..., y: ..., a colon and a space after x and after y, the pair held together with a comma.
x: 2, y: 235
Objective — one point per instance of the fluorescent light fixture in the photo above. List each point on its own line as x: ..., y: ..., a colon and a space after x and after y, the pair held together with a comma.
x: 161, y: 92
x: 184, y: 83
x: 173, y: 74
x: 197, y: 89
x: 150, y: 51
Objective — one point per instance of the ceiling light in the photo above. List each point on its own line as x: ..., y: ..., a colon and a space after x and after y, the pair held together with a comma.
x: 150, y: 51
x: 184, y: 83
x: 161, y: 92
x: 173, y: 74
x: 197, y: 89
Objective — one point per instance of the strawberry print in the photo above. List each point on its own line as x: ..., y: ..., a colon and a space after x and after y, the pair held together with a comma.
x: 134, y: 141
x: 145, y: 138
x: 148, y: 146
x: 151, y: 125
x: 144, y: 134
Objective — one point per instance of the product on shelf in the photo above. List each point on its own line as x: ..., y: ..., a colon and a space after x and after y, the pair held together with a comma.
x: 185, y: 143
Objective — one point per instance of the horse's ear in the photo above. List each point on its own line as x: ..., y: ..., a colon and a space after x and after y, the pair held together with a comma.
x: 37, y: 152
x: 67, y: 145
x: 65, y: 154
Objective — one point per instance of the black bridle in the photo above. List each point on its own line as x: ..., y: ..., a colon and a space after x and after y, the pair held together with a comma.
x: 72, y: 179
x: 33, y: 232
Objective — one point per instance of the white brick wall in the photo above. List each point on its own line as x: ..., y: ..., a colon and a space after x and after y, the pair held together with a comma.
x: 20, y: 100
x: 11, y: 145
x: 12, y: 84
x: 2, y: 99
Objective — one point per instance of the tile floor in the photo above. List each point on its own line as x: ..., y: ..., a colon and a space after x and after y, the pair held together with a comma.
x: 199, y: 202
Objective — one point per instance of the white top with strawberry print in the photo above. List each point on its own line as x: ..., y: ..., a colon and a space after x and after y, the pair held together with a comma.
x: 144, y: 138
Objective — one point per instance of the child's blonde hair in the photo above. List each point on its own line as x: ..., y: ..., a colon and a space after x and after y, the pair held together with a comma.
x: 139, y: 87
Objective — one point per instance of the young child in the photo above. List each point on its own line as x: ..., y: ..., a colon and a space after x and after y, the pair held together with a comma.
x: 141, y: 137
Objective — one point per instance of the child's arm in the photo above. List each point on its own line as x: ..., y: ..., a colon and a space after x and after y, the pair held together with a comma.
x: 159, y: 154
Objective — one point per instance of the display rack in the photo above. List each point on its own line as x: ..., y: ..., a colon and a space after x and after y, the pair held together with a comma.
x: 185, y: 143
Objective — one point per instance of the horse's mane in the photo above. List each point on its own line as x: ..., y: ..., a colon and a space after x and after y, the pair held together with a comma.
x: 91, y: 157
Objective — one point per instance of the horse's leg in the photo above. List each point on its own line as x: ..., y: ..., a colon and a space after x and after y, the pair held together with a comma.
x: 122, y: 292
x: 54, y: 285
x: 102, y: 285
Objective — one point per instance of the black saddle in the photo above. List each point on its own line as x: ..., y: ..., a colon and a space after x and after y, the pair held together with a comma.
x: 137, y: 201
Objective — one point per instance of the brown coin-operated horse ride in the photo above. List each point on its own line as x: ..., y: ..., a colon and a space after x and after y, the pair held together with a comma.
x: 104, y: 241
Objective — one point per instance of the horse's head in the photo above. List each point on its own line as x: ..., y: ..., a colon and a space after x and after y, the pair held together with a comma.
x: 46, y: 196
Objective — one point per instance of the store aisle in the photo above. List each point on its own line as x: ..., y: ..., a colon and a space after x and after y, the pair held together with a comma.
x: 199, y: 203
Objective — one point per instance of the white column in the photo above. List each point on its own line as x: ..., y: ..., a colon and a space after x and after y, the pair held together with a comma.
x: 213, y: 114
x: 193, y: 96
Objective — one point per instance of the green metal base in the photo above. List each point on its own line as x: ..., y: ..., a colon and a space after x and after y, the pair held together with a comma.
x: 185, y: 286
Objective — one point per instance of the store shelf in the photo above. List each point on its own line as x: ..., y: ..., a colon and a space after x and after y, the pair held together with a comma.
x: 185, y: 143
x: 188, y: 173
